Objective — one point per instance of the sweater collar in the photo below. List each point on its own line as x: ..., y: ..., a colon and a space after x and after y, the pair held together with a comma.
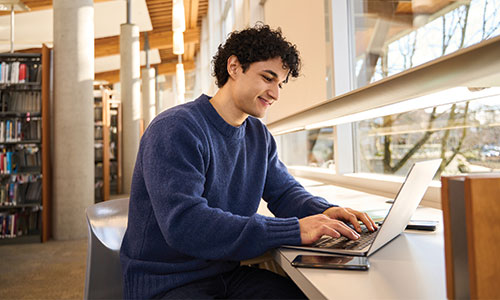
x: 218, y: 122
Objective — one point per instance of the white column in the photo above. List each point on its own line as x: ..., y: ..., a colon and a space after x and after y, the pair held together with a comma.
x: 148, y: 95
x: 130, y: 97
x: 73, y: 119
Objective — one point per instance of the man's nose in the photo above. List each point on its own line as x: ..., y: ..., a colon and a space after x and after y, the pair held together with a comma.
x: 274, y: 92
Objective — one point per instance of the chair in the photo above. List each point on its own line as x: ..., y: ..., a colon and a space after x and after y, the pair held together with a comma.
x: 107, y: 222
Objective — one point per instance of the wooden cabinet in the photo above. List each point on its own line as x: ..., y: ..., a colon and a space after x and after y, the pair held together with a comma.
x: 471, y: 211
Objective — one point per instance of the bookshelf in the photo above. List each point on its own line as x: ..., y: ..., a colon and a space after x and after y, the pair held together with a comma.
x: 107, y: 134
x: 99, y: 142
x: 115, y: 145
x: 24, y: 147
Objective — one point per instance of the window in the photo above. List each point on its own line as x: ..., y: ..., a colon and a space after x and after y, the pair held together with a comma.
x: 227, y: 19
x: 466, y: 135
x: 434, y: 106
x: 313, y: 148
x: 392, y: 36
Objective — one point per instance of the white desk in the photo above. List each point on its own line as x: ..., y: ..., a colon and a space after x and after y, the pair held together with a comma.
x: 410, y: 267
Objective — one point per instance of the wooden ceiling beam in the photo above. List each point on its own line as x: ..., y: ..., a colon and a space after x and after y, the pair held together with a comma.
x: 157, y: 40
x: 163, y: 69
x: 35, y: 5
x: 192, y: 13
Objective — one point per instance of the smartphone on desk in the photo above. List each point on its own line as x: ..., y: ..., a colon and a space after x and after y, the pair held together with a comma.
x: 422, y: 225
x: 332, y: 262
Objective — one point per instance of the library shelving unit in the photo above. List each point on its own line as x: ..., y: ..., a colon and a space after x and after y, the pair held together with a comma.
x: 101, y: 138
x: 107, y: 135
x: 25, y: 147
x: 115, y: 145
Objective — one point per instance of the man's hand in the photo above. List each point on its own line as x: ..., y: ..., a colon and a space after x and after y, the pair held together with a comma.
x: 352, y: 216
x: 313, y: 227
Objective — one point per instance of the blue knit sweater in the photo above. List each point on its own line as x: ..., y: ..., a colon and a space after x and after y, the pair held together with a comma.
x: 196, y: 187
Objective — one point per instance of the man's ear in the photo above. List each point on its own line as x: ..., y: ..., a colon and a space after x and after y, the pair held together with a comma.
x: 233, y: 66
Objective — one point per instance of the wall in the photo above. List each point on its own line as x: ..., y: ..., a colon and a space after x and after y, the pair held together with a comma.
x: 302, y: 23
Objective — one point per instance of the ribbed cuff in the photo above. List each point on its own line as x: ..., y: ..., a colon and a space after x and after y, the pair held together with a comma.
x: 282, y: 231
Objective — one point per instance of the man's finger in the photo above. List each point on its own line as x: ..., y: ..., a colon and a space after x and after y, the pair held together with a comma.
x: 328, y: 230
x: 346, y: 230
x: 354, y: 221
x: 367, y: 221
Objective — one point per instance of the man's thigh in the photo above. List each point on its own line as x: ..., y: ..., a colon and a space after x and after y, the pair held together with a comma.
x: 252, y: 283
x: 208, y: 288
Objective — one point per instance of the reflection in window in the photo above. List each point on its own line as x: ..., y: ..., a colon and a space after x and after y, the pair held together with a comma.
x: 465, y: 135
x: 392, y: 36
x: 312, y: 148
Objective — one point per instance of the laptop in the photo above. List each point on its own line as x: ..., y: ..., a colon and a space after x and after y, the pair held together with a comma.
x: 406, y: 202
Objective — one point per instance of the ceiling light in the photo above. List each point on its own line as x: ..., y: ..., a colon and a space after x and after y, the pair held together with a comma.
x: 178, y: 17
x: 178, y: 42
x: 180, y: 82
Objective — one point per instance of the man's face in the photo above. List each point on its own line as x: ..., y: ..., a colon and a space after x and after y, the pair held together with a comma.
x: 259, y: 86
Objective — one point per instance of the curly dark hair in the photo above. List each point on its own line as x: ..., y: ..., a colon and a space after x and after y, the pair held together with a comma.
x: 258, y: 43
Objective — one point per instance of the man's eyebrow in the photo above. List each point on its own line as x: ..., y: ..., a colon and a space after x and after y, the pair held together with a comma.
x: 271, y: 72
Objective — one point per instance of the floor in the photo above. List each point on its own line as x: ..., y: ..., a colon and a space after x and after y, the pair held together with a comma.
x: 52, y: 270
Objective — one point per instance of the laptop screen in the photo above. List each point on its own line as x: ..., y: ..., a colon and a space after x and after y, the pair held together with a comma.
x: 406, y: 202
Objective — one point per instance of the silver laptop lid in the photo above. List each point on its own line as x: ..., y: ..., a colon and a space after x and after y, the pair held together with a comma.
x: 406, y: 202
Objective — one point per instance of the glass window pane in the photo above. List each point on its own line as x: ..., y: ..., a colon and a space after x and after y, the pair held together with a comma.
x: 466, y: 135
x: 392, y: 36
x: 313, y: 148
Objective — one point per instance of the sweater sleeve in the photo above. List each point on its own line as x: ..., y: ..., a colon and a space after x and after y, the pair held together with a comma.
x: 284, y: 195
x: 173, y: 163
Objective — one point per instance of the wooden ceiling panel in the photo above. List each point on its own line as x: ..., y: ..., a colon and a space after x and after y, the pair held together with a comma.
x: 157, y: 40
x: 35, y: 5
x: 160, y: 12
x: 163, y: 69
x: 167, y: 55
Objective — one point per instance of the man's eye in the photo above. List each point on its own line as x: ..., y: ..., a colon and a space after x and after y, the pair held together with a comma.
x: 280, y: 86
x: 267, y: 79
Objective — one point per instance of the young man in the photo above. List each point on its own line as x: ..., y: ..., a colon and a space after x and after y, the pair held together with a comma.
x: 201, y: 171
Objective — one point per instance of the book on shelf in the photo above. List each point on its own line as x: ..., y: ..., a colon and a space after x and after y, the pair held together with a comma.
x: 23, y: 101
x: 22, y: 73
x: 17, y: 72
x: 18, y: 223
x: 23, y: 158
x: 20, y: 190
x: 20, y: 129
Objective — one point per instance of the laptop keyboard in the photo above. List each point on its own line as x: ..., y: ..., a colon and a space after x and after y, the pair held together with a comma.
x: 366, y: 237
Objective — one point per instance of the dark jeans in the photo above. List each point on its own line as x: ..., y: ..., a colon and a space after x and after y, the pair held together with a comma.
x: 241, y: 283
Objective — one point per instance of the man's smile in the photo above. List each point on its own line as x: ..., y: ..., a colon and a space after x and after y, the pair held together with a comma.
x: 267, y: 102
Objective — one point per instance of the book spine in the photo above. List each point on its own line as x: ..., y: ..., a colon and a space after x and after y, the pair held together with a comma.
x: 2, y: 166
x: 7, y: 131
x: 12, y: 225
x: 2, y: 131
x: 15, y: 72
x: 9, y: 162
x: 19, y: 136
x: 4, y: 67
x: 22, y: 73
